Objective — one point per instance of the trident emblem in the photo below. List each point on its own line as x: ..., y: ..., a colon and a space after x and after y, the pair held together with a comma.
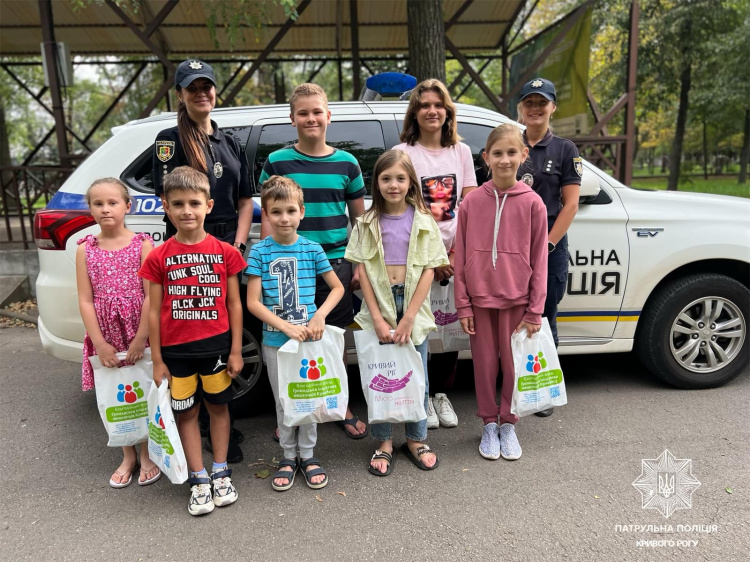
x: 666, y: 484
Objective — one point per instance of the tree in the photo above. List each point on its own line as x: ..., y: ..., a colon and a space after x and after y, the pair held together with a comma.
x: 426, y: 39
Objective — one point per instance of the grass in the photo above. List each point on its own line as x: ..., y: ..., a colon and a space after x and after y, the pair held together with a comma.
x: 718, y: 185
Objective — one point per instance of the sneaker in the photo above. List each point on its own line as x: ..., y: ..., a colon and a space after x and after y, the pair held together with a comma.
x: 432, y: 419
x: 510, y: 448
x: 489, y: 448
x: 224, y: 491
x: 200, y: 502
x: 445, y: 412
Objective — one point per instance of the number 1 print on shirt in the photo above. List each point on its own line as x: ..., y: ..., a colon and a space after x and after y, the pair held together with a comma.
x: 289, y: 309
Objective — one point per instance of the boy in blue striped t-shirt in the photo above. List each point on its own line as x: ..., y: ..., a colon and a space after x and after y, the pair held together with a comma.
x: 332, y: 183
x: 282, y: 270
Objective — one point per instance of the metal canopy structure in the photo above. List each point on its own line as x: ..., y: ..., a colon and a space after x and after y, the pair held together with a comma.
x: 164, y: 32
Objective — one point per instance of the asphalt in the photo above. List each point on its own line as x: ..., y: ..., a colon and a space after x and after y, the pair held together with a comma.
x: 570, y: 496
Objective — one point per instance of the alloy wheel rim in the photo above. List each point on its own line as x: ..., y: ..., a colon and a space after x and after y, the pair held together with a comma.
x: 707, y: 335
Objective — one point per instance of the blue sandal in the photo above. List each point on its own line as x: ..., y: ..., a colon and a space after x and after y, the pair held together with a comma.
x: 313, y: 472
x: 292, y: 463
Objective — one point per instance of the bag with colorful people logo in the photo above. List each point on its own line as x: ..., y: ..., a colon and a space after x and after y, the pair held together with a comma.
x: 393, y: 379
x: 313, y: 386
x: 449, y: 335
x: 539, y: 380
x: 164, y: 445
x: 121, y: 397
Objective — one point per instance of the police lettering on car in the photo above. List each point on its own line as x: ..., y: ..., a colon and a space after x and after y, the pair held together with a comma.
x: 218, y: 154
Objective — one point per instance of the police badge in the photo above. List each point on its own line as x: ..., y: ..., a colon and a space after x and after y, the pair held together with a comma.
x: 528, y: 179
x: 578, y: 166
x: 164, y: 150
x: 218, y: 170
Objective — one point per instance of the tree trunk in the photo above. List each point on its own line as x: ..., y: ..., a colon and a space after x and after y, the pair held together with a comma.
x: 745, y: 154
x: 679, y: 133
x: 705, y: 151
x: 426, y: 39
x: 5, y: 159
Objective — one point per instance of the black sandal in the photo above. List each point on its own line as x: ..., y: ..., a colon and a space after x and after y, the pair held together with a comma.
x: 352, y: 421
x: 381, y: 456
x: 308, y: 474
x: 421, y: 451
x: 292, y: 463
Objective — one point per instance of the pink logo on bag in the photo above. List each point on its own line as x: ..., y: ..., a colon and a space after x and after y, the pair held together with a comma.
x: 380, y: 383
x: 443, y: 319
x: 536, y: 363
x: 129, y: 393
x: 312, y: 369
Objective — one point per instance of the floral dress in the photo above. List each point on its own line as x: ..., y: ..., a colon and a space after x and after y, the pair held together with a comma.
x: 118, y: 296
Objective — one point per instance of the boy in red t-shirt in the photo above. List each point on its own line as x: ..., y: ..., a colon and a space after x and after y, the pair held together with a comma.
x: 195, y: 330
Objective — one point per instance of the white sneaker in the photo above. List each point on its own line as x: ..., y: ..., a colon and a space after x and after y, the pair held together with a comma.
x: 445, y: 412
x: 224, y: 491
x: 201, y: 501
x: 432, y: 419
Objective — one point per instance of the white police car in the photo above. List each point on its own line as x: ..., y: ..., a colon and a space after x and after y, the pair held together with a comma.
x: 666, y: 273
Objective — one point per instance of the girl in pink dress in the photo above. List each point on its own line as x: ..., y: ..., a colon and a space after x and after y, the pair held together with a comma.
x: 114, y: 301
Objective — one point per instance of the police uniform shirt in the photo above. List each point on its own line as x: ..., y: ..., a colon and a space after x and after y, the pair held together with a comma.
x: 227, y: 169
x: 552, y: 163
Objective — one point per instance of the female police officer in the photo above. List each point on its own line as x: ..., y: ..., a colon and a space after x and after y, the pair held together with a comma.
x: 197, y: 142
x: 553, y: 170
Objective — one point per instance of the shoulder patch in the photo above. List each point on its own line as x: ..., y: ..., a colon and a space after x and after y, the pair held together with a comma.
x: 164, y: 150
x: 578, y: 166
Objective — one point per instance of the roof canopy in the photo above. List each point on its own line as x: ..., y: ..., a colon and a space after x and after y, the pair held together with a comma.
x: 97, y: 29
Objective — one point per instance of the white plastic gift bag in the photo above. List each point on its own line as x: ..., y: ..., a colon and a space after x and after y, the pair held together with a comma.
x: 449, y: 335
x: 121, y: 396
x: 539, y: 383
x: 164, y: 445
x: 393, y: 379
x: 313, y: 385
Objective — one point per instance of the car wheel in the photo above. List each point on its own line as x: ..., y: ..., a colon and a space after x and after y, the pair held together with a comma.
x: 249, y: 388
x: 693, y: 333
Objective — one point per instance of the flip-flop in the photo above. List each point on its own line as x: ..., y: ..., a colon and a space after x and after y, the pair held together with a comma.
x: 308, y: 474
x: 125, y: 484
x: 352, y: 421
x: 421, y: 451
x: 151, y: 480
x: 382, y: 456
x: 292, y: 463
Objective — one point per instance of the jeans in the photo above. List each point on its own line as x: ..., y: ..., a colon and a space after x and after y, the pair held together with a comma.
x: 416, y: 431
x: 557, y: 280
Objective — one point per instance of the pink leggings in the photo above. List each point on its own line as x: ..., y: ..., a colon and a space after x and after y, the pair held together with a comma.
x: 490, y: 349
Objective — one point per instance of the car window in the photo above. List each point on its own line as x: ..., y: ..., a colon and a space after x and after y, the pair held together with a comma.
x: 476, y: 137
x: 139, y: 174
x: 363, y: 139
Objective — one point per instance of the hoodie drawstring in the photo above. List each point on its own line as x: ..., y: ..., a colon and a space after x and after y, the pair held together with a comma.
x: 498, y: 214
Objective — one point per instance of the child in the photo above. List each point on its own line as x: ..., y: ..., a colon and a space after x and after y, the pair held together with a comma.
x: 397, y: 246
x: 196, y: 330
x: 332, y: 183
x: 281, y: 293
x: 501, y: 280
x: 113, y: 301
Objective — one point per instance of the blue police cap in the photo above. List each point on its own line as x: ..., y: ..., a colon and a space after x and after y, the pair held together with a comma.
x: 190, y: 70
x: 539, y: 86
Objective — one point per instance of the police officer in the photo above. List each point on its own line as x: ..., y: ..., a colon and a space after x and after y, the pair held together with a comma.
x: 197, y: 142
x: 554, y: 171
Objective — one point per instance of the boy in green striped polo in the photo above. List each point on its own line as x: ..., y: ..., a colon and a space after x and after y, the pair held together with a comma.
x: 332, y: 182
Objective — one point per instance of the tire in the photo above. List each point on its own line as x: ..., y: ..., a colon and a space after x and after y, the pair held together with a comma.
x: 678, y: 348
x: 251, y: 391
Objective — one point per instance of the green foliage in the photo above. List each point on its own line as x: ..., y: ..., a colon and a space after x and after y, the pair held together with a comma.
x: 724, y: 185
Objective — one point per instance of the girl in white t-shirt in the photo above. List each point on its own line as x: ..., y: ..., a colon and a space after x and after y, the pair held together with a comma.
x: 445, y: 170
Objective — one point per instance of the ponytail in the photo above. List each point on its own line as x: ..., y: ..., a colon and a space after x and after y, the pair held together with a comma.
x: 192, y: 139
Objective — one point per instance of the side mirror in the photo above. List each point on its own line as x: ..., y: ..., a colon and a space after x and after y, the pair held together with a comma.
x: 589, y: 187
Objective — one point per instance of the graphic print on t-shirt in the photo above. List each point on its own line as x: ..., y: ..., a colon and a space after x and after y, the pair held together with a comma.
x: 289, y: 309
x: 440, y: 195
x: 201, y: 288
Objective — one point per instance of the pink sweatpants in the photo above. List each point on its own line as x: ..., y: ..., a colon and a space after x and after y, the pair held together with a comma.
x: 492, y: 342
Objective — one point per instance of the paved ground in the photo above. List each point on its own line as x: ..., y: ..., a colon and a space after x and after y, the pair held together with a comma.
x: 563, y: 500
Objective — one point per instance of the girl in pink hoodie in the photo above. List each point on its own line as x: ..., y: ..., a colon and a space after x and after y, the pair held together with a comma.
x: 501, y: 280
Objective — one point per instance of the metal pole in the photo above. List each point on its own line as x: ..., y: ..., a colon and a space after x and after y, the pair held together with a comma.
x: 626, y: 167
x: 50, y: 52
x: 354, y: 27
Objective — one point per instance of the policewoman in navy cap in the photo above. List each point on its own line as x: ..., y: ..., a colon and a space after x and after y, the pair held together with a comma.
x: 554, y: 171
x: 197, y: 142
